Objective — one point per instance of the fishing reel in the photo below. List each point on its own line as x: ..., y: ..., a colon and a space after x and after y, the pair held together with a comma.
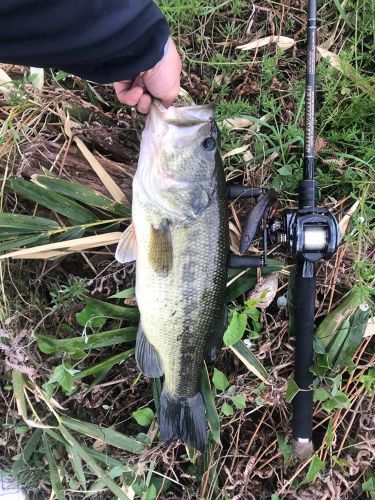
x: 311, y: 233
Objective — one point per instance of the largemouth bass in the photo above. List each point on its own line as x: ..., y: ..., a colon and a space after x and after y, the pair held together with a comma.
x: 179, y: 238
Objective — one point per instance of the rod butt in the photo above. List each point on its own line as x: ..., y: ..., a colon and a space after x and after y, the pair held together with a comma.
x: 302, y: 448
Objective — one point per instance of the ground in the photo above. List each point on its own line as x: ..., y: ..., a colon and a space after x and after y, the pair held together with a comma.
x: 76, y: 415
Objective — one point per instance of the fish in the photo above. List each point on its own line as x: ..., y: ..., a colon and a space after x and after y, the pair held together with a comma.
x: 179, y: 239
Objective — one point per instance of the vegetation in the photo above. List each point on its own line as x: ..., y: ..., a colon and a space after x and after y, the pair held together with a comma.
x: 77, y: 418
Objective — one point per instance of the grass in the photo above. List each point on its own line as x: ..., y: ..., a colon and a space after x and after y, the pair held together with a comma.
x: 76, y: 415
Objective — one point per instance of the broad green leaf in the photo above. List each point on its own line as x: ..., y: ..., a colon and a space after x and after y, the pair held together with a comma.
x: 124, y: 294
x: 209, y: 402
x: 28, y: 450
x: 26, y: 223
x: 219, y: 380
x: 249, y: 360
x: 151, y: 492
x: 291, y: 390
x: 103, y: 365
x: 318, y: 348
x: 368, y: 380
x: 328, y: 328
x: 49, y: 345
x: 96, y: 309
x: 248, y: 279
x: 239, y: 401
x: 54, y: 474
x: 82, y: 193
x: 144, y: 416
x: 105, y: 434
x: 286, y: 449
x: 227, y: 410
x: 53, y: 201
x: 320, y: 394
x: 335, y: 346
x: 236, y: 328
x: 91, y: 462
x: 340, y: 400
x: 353, y: 338
x: 316, y: 466
x: 369, y: 485
x: 63, y: 377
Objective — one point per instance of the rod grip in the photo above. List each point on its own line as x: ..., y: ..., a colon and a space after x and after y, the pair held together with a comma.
x: 304, y: 301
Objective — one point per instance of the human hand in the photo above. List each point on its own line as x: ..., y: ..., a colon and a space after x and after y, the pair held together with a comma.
x: 161, y: 81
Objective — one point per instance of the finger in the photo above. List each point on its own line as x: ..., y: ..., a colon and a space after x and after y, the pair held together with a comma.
x: 122, y: 86
x: 144, y: 103
x: 168, y: 102
x: 131, y: 96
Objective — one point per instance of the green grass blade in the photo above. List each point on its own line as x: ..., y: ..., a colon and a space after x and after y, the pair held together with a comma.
x: 82, y: 193
x: 98, y: 309
x: 342, y: 13
x: 27, y: 223
x: 54, y: 473
x: 76, y: 462
x: 103, y: 365
x: 105, y: 434
x: 249, y: 360
x: 40, y: 239
x: 209, y: 401
x: 53, y: 201
x: 91, y: 462
x: 49, y: 345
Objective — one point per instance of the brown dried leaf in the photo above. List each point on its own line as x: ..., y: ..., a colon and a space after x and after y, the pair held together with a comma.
x: 267, y: 286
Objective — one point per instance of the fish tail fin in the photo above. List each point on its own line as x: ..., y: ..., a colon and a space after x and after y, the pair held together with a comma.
x: 183, y: 418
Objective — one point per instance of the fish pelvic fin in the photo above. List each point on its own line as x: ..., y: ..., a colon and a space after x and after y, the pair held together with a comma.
x: 147, y: 358
x: 160, y: 249
x: 183, y: 418
x: 126, y: 250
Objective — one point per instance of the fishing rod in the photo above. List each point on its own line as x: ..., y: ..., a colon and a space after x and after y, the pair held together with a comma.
x: 311, y: 234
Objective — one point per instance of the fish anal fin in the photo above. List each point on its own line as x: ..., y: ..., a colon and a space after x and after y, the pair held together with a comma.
x: 126, y: 250
x: 147, y: 358
x: 160, y: 249
x: 183, y: 418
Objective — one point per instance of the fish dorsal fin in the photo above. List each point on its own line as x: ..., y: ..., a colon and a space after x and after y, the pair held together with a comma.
x: 126, y: 250
x: 160, y: 250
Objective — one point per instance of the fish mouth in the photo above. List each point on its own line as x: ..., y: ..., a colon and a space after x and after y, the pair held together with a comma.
x: 184, y: 116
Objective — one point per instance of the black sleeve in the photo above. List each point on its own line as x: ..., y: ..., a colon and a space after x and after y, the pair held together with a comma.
x: 100, y: 40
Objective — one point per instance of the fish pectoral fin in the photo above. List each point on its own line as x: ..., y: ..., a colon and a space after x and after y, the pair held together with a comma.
x: 160, y: 249
x: 147, y: 358
x: 126, y: 250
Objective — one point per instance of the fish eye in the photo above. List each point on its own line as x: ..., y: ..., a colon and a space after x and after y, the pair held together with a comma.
x: 209, y: 144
